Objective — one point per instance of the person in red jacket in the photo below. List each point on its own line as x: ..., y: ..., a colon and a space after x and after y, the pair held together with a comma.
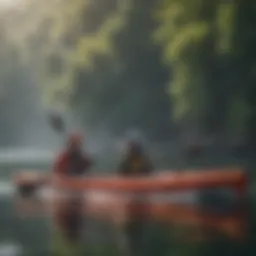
x: 69, y: 212
x: 72, y: 161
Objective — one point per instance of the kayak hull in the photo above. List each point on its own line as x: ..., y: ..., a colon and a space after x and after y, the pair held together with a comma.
x: 166, y: 181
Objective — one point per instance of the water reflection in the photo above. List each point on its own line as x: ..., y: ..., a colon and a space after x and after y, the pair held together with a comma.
x: 117, y: 225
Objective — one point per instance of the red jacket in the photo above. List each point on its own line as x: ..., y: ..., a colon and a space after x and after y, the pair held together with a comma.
x: 65, y: 165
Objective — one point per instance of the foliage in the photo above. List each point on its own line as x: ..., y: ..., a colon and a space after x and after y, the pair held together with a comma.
x: 206, y: 44
x: 98, y: 58
x: 109, y: 61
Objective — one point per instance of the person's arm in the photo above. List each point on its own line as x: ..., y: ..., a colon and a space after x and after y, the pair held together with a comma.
x: 58, y: 170
x: 148, y: 166
x: 60, y: 166
x: 123, y: 168
x: 87, y: 165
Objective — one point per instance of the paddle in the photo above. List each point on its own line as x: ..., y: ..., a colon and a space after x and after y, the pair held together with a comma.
x: 57, y: 122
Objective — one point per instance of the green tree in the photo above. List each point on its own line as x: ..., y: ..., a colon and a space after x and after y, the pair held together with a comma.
x: 206, y: 45
x: 98, y: 58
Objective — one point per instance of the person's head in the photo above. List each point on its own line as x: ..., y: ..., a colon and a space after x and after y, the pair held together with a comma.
x: 75, y: 142
x: 134, y: 148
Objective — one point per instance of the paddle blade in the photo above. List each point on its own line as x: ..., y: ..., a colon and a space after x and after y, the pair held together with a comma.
x: 57, y: 122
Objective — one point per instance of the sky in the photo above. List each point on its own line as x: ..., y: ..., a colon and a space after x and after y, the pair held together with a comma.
x: 9, y: 3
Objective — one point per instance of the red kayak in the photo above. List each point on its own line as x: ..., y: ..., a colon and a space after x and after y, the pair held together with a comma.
x: 104, y: 199
x: 166, y: 181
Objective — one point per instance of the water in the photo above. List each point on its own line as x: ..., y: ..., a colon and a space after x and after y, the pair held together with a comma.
x: 36, y: 235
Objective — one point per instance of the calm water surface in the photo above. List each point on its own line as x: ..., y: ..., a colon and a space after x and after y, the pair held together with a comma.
x: 36, y: 237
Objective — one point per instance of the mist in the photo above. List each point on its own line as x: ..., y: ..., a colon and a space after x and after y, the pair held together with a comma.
x: 28, y: 136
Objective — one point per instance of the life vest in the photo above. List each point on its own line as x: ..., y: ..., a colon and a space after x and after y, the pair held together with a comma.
x: 71, y: 165
x: 135, y: 166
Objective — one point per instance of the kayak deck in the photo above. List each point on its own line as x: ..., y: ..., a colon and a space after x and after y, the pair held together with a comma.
x: 169, y: 181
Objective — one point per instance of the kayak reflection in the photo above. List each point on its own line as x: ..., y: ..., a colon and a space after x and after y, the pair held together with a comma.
x: 138, y: 225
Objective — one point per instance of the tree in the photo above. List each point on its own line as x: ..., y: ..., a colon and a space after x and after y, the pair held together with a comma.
x: 205, y: 43
x: 98, y: 58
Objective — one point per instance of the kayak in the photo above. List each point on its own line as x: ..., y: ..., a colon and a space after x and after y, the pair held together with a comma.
x: 27, y: 182
x: 165, y: 181
x: 116, y: 199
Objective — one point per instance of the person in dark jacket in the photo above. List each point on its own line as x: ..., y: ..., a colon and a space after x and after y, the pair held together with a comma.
x: 135, y: 162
